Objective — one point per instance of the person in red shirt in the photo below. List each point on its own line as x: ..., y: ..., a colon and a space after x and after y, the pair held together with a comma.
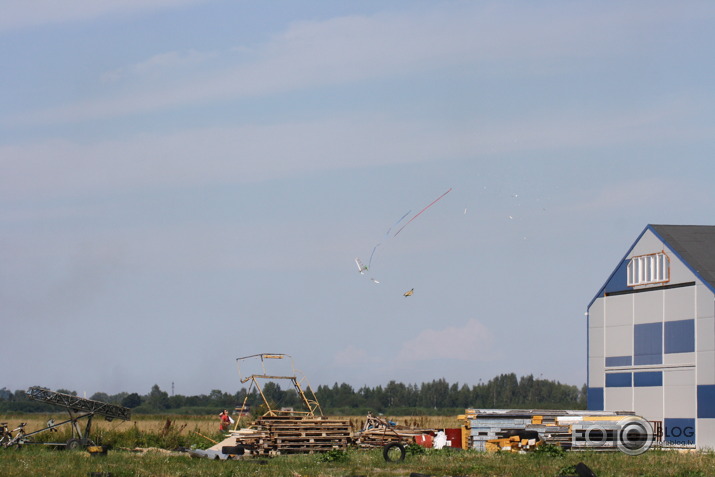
x: 225, y: 421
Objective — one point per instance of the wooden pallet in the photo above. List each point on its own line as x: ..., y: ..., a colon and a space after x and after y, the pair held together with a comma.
x: 295, y: 435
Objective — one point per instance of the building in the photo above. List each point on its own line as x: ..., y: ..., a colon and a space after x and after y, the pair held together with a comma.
x: 651, y: 334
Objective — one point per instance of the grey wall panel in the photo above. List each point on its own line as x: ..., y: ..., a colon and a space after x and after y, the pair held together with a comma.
x: 648, y: 306
x: 679, y: 401
x: 596, y: 374
x: 619, y: 310
x: 618, y: 399
x: 595, y: 342
x: 706, y: 367
x: 649, y: 402
x: 705, y: 334
x: 670, y: 359
x: 619, y: 340
x: 648, y: 244
x: 679, y: 304
x: 679, y: 272
x: 679, y: 393
x: 705, y: 434
x: 679, y: 377
x: 595, y: 314
x: 705, y: 301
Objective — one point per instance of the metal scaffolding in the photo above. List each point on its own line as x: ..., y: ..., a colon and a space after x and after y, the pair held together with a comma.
x: 78, y: 408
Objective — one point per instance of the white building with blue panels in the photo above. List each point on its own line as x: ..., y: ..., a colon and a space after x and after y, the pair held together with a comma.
x: 651, y: 334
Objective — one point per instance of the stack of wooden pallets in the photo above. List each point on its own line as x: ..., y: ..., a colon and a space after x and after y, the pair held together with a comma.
x: 273, y: 435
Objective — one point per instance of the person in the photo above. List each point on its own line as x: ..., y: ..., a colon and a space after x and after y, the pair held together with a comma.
x: 225, y: 421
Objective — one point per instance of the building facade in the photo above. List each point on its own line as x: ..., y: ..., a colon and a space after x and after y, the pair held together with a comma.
x: 651, y: 334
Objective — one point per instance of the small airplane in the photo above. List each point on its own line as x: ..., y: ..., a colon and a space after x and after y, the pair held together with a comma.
x: 361, y: 266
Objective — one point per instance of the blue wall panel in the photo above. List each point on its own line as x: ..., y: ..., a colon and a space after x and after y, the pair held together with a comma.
x: 648, y: 378
x: 619, y: 360
x: 648, y: 343
x: 619, y: 280
x: 594, y: 399
x: 619, y: 380
x: 706, y: 400
x: 680, y: 336
x: 679, y: 431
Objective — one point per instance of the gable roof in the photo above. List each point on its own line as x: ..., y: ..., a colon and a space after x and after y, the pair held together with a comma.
x: 694, y: 245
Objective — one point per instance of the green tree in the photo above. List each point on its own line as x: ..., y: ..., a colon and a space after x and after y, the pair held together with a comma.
x: 102, y: 397
x: 131, y: 400
x: 157, y: 398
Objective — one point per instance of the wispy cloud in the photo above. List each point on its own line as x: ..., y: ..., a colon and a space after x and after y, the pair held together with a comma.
x: 471, y: 342
x: 251, y: 153
x: 356, y: 48
x: 159, y: 65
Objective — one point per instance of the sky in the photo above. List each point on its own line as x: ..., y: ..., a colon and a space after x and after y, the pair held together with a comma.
x: 187, y: 182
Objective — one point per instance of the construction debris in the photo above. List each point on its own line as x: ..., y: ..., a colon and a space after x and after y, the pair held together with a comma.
x: 378, y: 432
x: 520, y: 430
x: 512, y: 444
x: 285, y: 431
x: 307, y: 431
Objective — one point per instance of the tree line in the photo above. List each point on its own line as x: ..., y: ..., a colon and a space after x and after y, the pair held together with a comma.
x: 434, y: 397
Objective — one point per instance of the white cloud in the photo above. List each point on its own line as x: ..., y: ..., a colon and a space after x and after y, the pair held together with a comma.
x: 21, y: 14
x: 471, y: 342
x: 160, y: 64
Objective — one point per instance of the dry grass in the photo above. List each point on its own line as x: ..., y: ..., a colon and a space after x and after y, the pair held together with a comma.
x: 194, y: 425
x: 153, y: 423
x: 418, y: 422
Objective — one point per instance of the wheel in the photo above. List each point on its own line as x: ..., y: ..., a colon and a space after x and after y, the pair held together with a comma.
x: 234, y: 450
x: 394, y: 452
x: 73, y: 444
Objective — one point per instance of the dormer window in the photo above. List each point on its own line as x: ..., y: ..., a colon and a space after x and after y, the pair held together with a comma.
x: 648, y: 269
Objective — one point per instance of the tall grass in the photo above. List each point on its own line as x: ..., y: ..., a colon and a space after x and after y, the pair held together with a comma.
x: 165, y: 432
x: 172, y: 431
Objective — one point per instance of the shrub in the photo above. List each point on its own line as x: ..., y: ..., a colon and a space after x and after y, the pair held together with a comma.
x: 549, y: 450
x: 334, y: 455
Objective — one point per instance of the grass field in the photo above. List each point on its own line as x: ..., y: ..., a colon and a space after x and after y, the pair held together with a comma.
x: 154, y: 433
x: 170, y: 432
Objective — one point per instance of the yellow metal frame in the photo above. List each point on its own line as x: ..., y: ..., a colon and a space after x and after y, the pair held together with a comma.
x: 297, y: 379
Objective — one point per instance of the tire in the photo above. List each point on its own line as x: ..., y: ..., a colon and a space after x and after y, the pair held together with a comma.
x: 389, y: 449
x: 73, y: 444
x: 234, y: 450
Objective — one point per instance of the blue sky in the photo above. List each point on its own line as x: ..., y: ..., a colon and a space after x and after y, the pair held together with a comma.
x: 186, y: 182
